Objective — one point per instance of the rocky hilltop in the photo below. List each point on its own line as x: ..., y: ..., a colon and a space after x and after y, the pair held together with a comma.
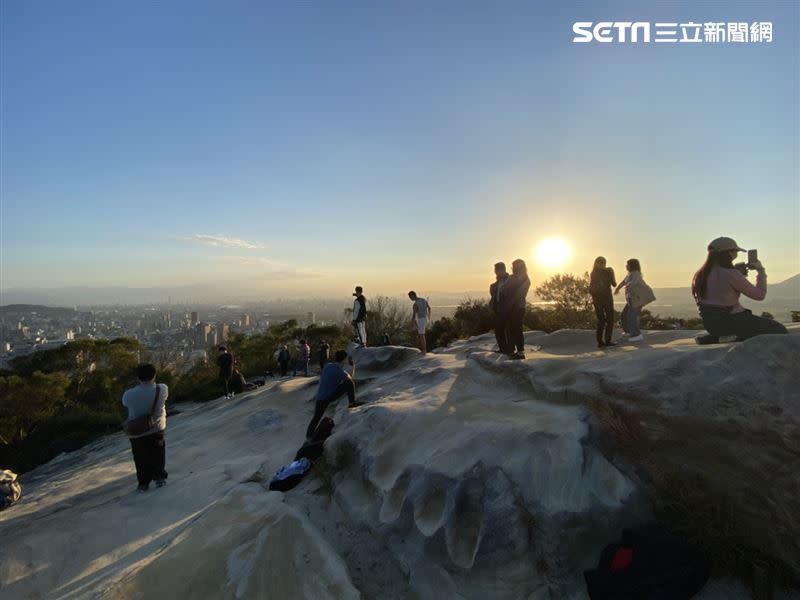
x: 464, y: 475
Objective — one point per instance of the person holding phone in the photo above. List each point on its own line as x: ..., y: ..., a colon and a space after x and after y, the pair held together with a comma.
x: 717, y: 286
x: 336, y: 381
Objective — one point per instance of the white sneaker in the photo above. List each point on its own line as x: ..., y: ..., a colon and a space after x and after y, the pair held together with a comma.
x: 636, y: 338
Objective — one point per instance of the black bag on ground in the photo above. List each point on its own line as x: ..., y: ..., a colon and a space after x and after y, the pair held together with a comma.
x: 290, y: 475
x: 650, y: 563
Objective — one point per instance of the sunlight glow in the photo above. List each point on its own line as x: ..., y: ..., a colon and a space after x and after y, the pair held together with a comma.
x: 552, y: 252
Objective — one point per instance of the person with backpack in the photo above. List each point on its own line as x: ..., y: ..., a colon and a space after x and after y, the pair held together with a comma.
x: 225, y: 364
x: 601, y: 281
x: 500, y: 319
x: 637, y: 295
x: 283, y: 360
x: 717, y: 286
x: 146, y: 426
x: 360, y: 317
x: 336, y: 381
x: 303, y: 358
x: 420, y: 315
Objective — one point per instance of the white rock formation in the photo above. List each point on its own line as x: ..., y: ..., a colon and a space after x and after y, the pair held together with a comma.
x: 464, y: 475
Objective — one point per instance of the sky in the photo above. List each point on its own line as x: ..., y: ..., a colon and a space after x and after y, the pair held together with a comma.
x: 295, y: 148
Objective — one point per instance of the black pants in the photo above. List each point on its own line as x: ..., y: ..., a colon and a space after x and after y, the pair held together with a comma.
x: 346, y: 387
x: 516, y: 339
x: 604, y: 309
x: 719, y: 321
x: 501, y: 332
x: 149, y: 456
x: 225, y: 379
x: 284, y: 368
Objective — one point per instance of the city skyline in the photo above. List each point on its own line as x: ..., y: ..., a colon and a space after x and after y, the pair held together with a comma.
x: 267, y: 150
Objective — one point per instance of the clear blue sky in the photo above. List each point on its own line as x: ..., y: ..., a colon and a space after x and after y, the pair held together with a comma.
x: 394, y: 144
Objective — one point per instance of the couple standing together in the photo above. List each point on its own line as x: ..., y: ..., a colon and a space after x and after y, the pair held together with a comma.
x: 508, y: 299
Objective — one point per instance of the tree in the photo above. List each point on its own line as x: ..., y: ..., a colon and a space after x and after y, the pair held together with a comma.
x: 567, y: 292
x: 26, y: 402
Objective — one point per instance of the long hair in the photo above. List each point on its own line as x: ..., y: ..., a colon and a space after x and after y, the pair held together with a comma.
x: 714, y: 259
x: 518, y: 267
x: 633, y: 265
x: 599, y: 263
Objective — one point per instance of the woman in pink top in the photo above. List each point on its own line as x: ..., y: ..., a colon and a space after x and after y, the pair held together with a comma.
x: 716, y: 288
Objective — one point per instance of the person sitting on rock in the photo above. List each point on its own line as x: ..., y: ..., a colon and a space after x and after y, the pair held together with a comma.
x: 334, y: 383
x: 716, y: 288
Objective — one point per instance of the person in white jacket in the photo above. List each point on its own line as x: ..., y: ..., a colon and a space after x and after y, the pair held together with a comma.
x: 637, y: 295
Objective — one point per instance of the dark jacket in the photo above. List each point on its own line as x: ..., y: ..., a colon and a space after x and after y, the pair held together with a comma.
x: 362, y: 314
x: 283, y: 356
x: 514, y: 294
x: 496, y: 291
x: 601, y: 282
x: 225, y: 362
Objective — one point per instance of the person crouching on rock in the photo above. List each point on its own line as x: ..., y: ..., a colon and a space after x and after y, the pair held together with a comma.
x: 334, y: 383
x: 149, y: 447
x: 716, y: 288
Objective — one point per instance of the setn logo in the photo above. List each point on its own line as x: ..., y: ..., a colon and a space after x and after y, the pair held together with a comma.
x: 606, y: 31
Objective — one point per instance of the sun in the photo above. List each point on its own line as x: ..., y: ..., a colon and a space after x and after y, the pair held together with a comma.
x: 552, y: 252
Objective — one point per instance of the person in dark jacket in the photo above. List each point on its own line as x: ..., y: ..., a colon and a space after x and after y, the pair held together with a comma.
x: 513, y: 301
x: 601, y: 282
x: 323, y: 353
x: 225, y: 364
x: 283, y: 360
x: 360, y: 317
x: 496, y: 292
x: 334, y: 383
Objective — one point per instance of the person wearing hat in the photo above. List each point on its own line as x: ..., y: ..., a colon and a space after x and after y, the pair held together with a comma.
x: 716, y: 288
x: 360, y: 316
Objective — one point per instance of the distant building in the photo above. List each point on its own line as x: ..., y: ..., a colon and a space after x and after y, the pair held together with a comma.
x: 194, y: 318
x: 310, y: 318
x: 246, y: 321
x: 223, y: 332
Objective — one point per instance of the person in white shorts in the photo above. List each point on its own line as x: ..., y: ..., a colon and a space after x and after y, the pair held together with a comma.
x: 420, y: 317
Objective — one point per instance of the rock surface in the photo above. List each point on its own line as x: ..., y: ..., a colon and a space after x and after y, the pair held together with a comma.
x: 464, y: 475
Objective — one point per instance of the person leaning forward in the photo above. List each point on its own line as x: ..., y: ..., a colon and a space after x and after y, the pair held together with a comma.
x: 334, y: 383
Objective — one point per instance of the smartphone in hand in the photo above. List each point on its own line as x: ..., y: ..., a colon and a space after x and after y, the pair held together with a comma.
x: 752, y: 257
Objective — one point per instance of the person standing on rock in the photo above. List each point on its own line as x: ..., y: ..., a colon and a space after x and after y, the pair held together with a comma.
x: 601, y: 282
x: 283, y: 360
x: 334, y: 383
x: 637, y: 295
x: 496, y: 293
x: 225, y: 364
x: 716, y: 288
x: 360, y: 317
x: 323, y: 353
x: 420, y: 315
x: 148, y: 447
x: 303, y: 358
x: 513, y: 302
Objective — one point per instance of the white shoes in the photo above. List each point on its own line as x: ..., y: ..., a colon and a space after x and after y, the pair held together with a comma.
x: 636, y: 338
